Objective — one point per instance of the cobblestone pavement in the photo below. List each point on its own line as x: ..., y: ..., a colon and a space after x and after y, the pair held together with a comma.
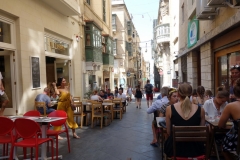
x: 121, y: 140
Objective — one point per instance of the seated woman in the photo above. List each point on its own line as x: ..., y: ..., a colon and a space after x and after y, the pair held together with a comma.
x: 199, y: 100
x: 184, y: 113
x: 173, y: 98
x: 232, y: 111
x: 216, y: 105
x: 95, y: 96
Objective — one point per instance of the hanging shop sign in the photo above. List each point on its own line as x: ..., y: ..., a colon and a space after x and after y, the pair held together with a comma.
x: 193, y: 29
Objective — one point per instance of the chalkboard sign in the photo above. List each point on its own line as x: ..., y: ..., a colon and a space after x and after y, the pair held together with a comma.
x: 35, y: 72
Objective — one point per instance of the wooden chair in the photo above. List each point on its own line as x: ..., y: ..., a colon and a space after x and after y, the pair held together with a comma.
x: 79, y: 112
x: 97, y: 112
x: 41, y: 105
x: 109, y: 109
x: 190, y: 134
x: 76, y: 99
x: 117, y: 101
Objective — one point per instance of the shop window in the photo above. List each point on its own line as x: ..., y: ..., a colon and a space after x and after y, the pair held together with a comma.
x: 56, y: 46
x: 5, y: 32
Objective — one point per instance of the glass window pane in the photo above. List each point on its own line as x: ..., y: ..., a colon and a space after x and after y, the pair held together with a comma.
x: 88, y: 40
x: 56, y: 46
x: 5, y: 32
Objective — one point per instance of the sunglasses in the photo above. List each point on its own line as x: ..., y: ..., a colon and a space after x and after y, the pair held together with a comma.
x: 235, y: 66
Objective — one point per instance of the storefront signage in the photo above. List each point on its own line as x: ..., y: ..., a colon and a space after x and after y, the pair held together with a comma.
x: 35, y: 69
x: 193, y: 29
x: 128, y: 74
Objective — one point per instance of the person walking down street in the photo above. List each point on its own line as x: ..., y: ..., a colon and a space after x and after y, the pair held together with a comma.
x: 138, y: 96
x: 129, y: 92
x: 64, y: 103
x: 149, y: 93
x: 43, y: 97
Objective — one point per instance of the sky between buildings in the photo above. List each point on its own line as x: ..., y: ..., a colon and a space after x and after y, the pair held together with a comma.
x: 143, y: 12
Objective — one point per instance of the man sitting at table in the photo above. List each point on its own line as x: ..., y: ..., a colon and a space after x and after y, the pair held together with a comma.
x: 122, y: 96
x: 102, y: 94
x: 43, y: 97
x: 109, y: 94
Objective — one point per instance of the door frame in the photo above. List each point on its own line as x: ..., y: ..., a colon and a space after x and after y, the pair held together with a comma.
x: 218, y: 54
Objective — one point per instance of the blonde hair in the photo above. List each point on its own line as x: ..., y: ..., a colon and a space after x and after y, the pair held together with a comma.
x: 185, y: 91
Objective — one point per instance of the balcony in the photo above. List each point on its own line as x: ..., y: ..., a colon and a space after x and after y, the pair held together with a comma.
x: 108, y: 59
x: 93, y: 55
x: 66, y: 7
x: 114, y: 27
x: 162, y: 33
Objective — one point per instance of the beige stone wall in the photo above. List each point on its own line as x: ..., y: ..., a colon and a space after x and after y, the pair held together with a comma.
x: 207, y: 67
x: 192, y: 69
x: 32, y: 18
x: 183, y: 24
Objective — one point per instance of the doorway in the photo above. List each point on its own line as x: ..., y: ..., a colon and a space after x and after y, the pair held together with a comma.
x: 7, y: 69
x: 56, y: 68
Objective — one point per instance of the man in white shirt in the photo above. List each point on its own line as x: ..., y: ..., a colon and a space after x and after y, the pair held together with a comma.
x: 123, y: 96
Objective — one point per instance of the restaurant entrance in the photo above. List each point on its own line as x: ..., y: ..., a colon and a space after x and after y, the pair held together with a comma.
x: 56, y: 68
x: 7, y: 69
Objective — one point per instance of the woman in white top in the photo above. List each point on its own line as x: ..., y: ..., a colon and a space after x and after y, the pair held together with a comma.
x: 95, y: 96
x: 215, y: 106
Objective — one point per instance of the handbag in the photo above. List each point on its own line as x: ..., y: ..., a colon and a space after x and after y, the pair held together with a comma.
x: 73, y: 107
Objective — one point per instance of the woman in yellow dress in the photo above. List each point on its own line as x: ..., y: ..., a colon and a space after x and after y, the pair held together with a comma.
x: 64, y: 103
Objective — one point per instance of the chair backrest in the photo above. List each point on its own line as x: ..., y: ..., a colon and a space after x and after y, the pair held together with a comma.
x: 190, y: 134
x: 40, y: 105
x: 26, y: 128
x: 97, y: 109
x: 6, y: 126
x: 78, y: 106
x: 107, y: 101
x: 58, y: 113
x: 117, y: 101
x: 32, y: 113
x: 76, y: 99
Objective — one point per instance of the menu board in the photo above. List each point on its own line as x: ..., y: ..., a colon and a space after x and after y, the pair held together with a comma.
x: 35, y: 72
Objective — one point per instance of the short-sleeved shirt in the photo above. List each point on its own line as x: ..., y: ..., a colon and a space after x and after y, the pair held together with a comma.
x: 211, y: 109
x: 94, y: 97
x: 123, y: 96
x: 103, y: 96
x: 43, y: 98
x: 148, y: 88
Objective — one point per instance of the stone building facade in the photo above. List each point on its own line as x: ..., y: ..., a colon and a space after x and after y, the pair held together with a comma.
x: 212, y: 45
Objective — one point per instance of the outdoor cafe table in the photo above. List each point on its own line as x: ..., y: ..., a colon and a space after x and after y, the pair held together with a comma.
x: 215, y: 129
x: 44, y: 123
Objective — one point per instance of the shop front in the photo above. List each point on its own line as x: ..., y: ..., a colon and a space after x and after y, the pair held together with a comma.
x: 227, y: 55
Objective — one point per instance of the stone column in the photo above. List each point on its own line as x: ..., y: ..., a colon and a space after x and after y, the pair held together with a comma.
x: 207, y: 67
x: 192, y: 69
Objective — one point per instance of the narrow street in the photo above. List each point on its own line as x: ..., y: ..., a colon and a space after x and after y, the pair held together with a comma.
x: 121, y: 140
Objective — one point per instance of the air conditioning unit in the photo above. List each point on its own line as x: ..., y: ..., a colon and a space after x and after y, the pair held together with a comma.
x: 216, y: 3
x: 204, y: 12
x: 103, y: 40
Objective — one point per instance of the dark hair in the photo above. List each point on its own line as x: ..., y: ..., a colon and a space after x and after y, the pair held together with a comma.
x: 171, y: 91
x: 59, y: 81
x: 148, y: 81
x: 194, y: 92
x: 201, y: 91
x: 236, y: 88
x: 121, y: 89
x: 208, y: 93
x: 222, y: 92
